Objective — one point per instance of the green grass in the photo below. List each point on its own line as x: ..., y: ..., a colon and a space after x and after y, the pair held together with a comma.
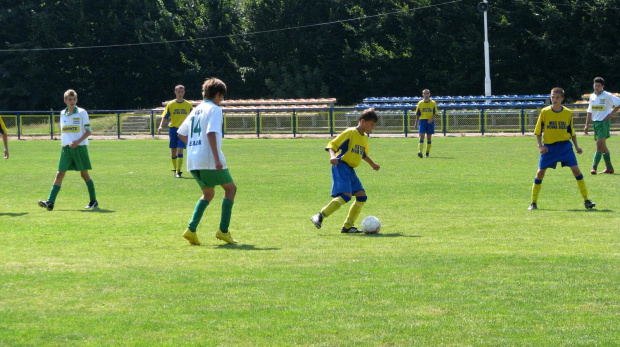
x: 459, y: 260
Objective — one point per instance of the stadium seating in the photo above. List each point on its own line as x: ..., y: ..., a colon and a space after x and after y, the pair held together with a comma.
x: 459, y: 102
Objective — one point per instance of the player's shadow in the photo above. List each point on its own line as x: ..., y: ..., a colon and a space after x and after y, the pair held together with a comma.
x: 246, y: 247
x: 9, y: 214
x: 372, y: 235
x: 98, y: 210
x: 592, y: 211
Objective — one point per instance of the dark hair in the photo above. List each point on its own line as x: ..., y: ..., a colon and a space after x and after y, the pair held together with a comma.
x: 369, y: 114
x: 557, y: 90
x: 212, y: 86
x: 599, y: 80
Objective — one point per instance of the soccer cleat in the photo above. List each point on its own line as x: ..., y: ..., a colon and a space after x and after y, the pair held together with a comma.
x: 608, y: 171
x: 317, y: 219
x: 427, y: 154
x: 351, y: 230
x: 92, y: 204
x: 532, y: 206
x: 593, y: 171
x: 226, y: 237
x: 589, y: 204
x: 178, y: 175
x: 191, y: 236
x: 46, y: 204
x: 420, y: 154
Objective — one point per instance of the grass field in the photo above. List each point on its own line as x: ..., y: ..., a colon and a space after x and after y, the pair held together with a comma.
x: 459, y: 260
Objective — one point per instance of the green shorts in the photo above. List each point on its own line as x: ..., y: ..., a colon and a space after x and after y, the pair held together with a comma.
x: 601, y: 129
x: 74, y: 159
x: 211, y: 178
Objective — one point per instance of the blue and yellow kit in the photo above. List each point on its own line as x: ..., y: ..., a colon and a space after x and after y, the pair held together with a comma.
x: 426, y: 110
x: 350, y: 146
x: 176, y: 112
x: 555, y: 126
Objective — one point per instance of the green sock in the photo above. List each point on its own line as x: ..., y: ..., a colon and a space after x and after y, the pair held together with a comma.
x: 227, y: 206
x: 91, y: 190
x: 53, y: 193
x: 200, y: 208
x: 597, y: 159
x: 607, y: 158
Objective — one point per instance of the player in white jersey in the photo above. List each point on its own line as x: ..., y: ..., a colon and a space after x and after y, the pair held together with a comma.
x: 602, y: 106
x: 202, y: 132
x: 75, y: 130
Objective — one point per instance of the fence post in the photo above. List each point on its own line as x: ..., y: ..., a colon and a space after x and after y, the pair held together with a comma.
x: 152, y: 123
x: 118, y: 124
x: 406, y: 122
x: 19, y: 126
x: 294, y: 123
x: 331, y: 121
x: 257, y: 123
x: 444, y: 122
x: 482, y: 120
x: 52, y: 125
x: 522, y: 121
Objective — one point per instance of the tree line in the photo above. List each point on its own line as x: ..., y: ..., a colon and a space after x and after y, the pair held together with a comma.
x: 126, y: 54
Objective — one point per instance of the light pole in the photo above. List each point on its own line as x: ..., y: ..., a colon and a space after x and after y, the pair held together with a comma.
x: 483, y: 7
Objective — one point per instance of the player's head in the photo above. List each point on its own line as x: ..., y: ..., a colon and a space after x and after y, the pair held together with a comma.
x: 426, y: 94
x: 557, y: 95
x: 599, y: 84
x: 368, y: 119
x: 179, y: 91
x: 212, y: 87
x: 70, y: 97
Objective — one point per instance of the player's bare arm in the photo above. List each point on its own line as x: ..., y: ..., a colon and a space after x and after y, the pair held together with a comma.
x: 372, y: 164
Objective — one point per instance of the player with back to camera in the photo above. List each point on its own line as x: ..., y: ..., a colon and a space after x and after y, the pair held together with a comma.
x: 202, y: 132
x: 3, y: 133
x: 425, y: 113
x: 176, y: 111
x: 556, y: 123
x: 346, y: 151
x: 601, y: 107
x: 75, y: 130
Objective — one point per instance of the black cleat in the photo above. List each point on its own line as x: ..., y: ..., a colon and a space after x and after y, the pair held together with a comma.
x: 420, y: 154
x: 427, y: 154
x: 92, y: 204
x: 589, y: 204
x: 46, y: 204
x: 317, y: 220
x: 351, y: 230
x: 532, y: 206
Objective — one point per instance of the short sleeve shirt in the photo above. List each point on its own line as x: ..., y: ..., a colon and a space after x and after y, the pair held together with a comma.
x: 205, y: 118
x: 350, y: 146
x: 555, y: 126
x: 177, y: 112
x: 73, y: 126
x: 601, y: 105
x: 426, y: 110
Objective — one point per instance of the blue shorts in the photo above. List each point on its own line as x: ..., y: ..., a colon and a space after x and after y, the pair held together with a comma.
x: 175, y: 141
x: 425, y: 127
x: 344, y: 180
x: 558, y: 152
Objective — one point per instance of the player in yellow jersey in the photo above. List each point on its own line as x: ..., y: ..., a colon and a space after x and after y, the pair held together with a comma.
x: 175, y: 112
x: 556, y: 123
x: 3, y: 133
x: 601, y: 107
x: 346, y: 152
x: 425, y: 113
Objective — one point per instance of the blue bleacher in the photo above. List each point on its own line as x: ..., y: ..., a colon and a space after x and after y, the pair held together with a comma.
x: 468, y: 101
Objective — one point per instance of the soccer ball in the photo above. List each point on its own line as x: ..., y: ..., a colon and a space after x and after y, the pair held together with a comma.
x: 371, y: 225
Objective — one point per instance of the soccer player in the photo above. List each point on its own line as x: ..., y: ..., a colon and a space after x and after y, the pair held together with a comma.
x: 176, y: 111
x: 202, y: 132
x: 346, y: 152
x: 75, y: 130
x: 425, y: 112
x: 5, y: 140
x: 556, y: 123
x: 602, y: 106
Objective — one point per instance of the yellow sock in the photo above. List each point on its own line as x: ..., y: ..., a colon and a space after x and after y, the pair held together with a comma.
x: 535, y: 190
x: 428, y: 147
x: 179, y: 164
x: 420, y: 146
x: 174, y: 163
x: 582, y: 188
x: 354, y: 211
x: 332, y: 206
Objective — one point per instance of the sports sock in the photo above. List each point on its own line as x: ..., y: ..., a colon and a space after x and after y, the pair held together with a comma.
x: 91, y: 190
x: 428, y: 147
x: 607, y: 158
x: 596, y: 160
x: 536, y: 189
x: 354, y: 212
x: 53, y: 194
x: 227, y: 206
x: 179, y: 163
x: 420, y: 146
x: 333, y: 206
x: 581, y: 183
x: 200, y: 208
x: 174, y: 163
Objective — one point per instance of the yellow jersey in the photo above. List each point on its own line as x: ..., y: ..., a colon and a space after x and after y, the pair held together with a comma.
x: 177, y: 112
x: 426, y: 110
x: 555, y: 126
x: 350, y: 146
x: 2, y: 127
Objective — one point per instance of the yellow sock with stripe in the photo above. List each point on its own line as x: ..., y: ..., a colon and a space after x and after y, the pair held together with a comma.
x: 581, y: 183
x: 174, y: 163
x: 179, y: 163
x: 420, y: 146
x: 428, y: 147
x: 354, y: 212
x: 536, y: 189
x: 333, y: 206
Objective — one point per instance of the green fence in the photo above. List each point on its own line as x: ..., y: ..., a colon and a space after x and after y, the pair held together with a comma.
x: 330, y: 121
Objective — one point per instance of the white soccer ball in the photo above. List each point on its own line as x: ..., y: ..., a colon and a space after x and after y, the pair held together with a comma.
x: 371, y: 225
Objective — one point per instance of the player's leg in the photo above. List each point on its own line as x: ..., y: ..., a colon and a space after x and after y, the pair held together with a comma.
x: 208, y: 192
x: 179, y: 164
x: 421, y: 140
x: 354, y: 212
x: 536, y: 187
x: 341, y: 192
x: 230, y: 190
x: 91, y: 189
x: 428, y: 144
x: 601, y: 147
x: 582, y: 186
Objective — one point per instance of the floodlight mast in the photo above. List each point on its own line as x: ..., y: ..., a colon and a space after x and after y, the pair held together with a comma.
x: 483, y: 7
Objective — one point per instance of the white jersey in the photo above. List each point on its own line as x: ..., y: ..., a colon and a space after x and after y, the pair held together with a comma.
x: 73, y: 126
x: 601, y: 105
x: 204, y: 118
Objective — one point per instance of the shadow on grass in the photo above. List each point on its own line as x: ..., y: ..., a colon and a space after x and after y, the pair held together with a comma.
x: 98, y: 210
x: 372, y: 235
x: 8, y: 214
x: 246, y: 247
x: 592, y: 211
